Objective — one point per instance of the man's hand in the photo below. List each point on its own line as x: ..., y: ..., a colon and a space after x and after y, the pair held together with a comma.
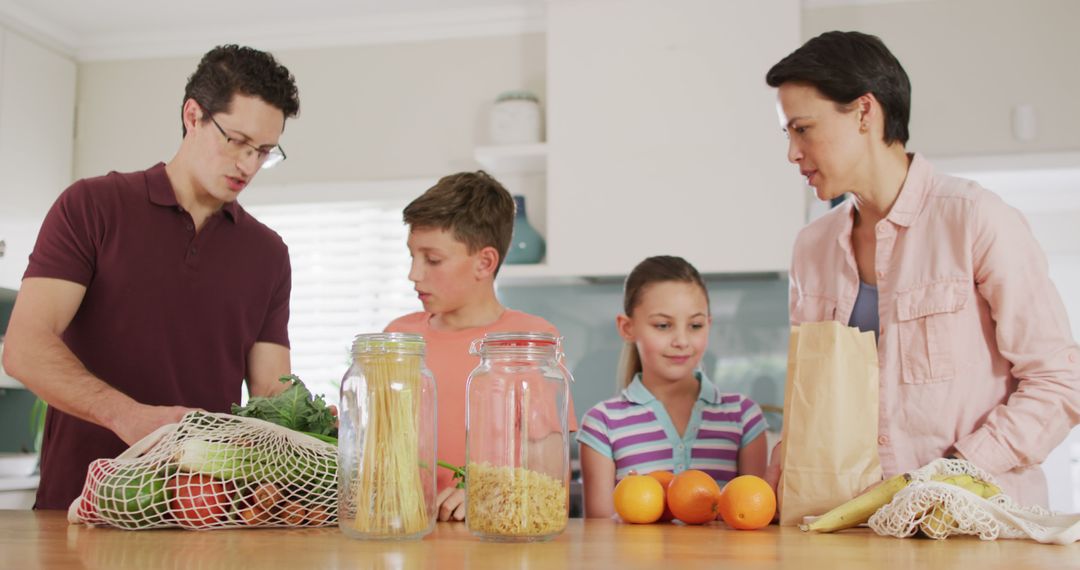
x: 451, y: 504
x: 143, y: 420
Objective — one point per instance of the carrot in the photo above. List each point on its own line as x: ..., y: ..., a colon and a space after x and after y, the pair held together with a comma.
x: 255, y: 515
x: 293, y: 513
x: 317, y: 516
x: 267, y: 496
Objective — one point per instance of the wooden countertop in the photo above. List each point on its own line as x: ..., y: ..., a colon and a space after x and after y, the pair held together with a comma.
x: 45, y: 540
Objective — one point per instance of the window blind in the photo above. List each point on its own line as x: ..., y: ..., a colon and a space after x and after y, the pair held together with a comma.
x: 350, y: 269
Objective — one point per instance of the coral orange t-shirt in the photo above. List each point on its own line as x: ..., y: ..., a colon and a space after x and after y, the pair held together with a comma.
x: 447, y: 355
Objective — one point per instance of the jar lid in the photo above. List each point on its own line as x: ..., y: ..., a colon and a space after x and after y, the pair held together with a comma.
x: 378, y: 343
x: 520, y: 340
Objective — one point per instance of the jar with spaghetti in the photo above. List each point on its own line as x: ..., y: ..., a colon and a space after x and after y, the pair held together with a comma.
x: 386, y: 440
x: 517, y: 467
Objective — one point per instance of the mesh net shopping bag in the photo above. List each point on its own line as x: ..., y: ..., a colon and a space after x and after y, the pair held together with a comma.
x: 950, y: 497
x: 213, y: 471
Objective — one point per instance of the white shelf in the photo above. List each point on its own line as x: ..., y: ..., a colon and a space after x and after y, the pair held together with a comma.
x: 19, y: 483
x: 535, y: 274
x: 513, y: 158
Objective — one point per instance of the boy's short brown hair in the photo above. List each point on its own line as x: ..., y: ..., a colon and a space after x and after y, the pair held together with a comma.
x: 472, y: 206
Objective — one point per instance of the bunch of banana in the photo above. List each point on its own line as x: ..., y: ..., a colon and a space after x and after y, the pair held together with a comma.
x: 937, y: 523
x: 858, y: 510
x: 861, y: 508
x: 969, y: 483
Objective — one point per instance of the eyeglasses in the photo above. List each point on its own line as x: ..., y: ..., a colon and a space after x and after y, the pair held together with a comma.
x: 267, y: 157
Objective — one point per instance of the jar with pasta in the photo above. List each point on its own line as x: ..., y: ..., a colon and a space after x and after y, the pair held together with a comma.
x: 386, y: 440
x: 517, y: 469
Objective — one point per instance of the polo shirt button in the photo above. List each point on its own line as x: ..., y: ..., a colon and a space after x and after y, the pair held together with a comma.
x: 194, y: 250
x: 883, y: 440
x: 190, y: 227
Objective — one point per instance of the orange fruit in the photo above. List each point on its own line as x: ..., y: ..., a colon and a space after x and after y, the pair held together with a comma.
x: 693, y: 496
x: 639, y: 499
x: 747, y: 503
x: 664, y: 477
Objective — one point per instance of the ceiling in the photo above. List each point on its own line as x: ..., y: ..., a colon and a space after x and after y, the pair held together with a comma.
x: 122, y: 29
x: 126, y: 29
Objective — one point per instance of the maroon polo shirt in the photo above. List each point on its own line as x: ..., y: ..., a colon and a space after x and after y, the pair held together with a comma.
x: 169, y: 314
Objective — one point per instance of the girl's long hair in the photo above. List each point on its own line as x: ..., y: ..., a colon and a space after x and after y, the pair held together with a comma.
x: 658, y: 269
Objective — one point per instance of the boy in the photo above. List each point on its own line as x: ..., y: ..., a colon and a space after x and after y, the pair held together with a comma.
x: 459, y: 233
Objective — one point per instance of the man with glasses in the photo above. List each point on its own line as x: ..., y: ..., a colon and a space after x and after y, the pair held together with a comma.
x: 152, y: 293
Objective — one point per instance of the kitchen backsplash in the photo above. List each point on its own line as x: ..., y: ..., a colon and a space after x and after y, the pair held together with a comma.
x: 747, y: 345
x: 16, y: 434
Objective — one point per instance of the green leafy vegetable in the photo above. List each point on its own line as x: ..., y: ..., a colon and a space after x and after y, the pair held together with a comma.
x: 459, y: 473
x: 295, y: 408
x: 132, y: 498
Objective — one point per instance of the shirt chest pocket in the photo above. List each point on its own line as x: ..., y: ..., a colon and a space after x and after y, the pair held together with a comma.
x: 926, y: 321
x: 813, y: 309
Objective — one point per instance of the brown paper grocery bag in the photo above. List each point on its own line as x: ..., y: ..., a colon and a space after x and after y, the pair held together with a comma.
x: 828, y: 448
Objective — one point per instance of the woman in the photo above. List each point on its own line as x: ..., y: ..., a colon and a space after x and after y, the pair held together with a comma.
x: 976, y: 356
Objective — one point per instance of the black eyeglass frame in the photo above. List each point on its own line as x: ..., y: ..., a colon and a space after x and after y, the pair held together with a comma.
x: 267, y: 158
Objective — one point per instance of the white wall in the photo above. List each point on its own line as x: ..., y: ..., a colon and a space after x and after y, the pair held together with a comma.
x: 375, y: 112
x: 416, y: 110
x: 971, y: 61
x: 37, y: 104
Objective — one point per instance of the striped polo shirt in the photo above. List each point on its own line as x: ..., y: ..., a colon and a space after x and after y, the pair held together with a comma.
x: 636, y: 432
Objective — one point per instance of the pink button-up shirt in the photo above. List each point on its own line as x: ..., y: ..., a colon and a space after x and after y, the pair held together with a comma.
x: 975, y: 352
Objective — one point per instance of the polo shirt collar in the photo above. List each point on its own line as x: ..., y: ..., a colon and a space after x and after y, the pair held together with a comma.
x: 162, y: 194
x: 637, y: 393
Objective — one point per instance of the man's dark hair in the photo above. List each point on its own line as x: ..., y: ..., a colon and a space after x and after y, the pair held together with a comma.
x: 844, y: 66
x: 229, y: 70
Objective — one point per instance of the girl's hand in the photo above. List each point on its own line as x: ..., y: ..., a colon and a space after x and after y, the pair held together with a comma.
x: 598, y: 483
x: 772, y: 472
x: 772, y: 476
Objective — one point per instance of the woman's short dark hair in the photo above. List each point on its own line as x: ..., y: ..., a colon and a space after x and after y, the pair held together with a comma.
x: 844, y: 66
x: 229, y: 70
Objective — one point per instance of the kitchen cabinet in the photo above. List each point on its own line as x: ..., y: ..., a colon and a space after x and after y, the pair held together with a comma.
x: 663, y: 137
x: 37, y: 116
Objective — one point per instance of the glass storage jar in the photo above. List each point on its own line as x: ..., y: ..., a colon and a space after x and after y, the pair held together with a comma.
x: 386, y: 443
x: 517, y: 468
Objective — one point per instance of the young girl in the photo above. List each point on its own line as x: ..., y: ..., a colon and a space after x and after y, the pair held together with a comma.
x: 668, y: 416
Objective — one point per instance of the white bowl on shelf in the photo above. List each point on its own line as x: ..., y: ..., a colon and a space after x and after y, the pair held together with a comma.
x: 18, y: 464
